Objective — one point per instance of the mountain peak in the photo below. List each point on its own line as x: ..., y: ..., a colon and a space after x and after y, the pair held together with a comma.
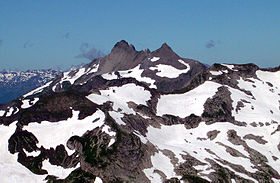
x: 165, y: 46
x: 165, y: 51
x: 123, y: 45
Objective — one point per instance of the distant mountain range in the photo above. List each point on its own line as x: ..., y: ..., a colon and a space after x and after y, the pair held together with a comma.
x: 16, y: 83
x: 145, y: 116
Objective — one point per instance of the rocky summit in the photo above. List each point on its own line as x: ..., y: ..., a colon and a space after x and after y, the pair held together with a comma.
x: 145, y: 116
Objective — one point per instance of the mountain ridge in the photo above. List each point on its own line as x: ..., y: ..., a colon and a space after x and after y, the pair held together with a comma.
x: 167, y: 119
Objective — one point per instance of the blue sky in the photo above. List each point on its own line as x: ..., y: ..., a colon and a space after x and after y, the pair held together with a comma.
x: 44, y: 34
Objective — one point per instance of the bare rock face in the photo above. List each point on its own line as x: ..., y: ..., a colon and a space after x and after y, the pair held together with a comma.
x: 142, y: 116
x: 122, y: 57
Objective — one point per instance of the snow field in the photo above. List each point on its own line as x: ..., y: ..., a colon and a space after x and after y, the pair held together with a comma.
x: 133, y: 73
x: 57, y: 171
x: 196, y: 143
x: 185, y: 104
x: 11, y: 170
x: 169, y: 71
x: 120, y: 96
x: 50, y: 134
x: 263, y: 106
x: 162, y: 163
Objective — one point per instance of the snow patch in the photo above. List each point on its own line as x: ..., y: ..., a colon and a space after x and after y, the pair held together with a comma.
x: 2, y: 113
x: 98, y: 180
x: 136, y: 73
x: 57, y: 171
x: 10, y: 112
x: 154, y: 59
x: 162, y: 163
x: 11, y: 170
x: 51, y: 134
x: 33, y: 153
x: 112, y: 134
x: 183, y: 105
x: 120, y: 96
x: 169, y: 71
x: 37, y: 90
x: 26, y: 103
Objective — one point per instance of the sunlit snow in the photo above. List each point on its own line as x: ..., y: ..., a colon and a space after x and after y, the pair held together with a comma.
x: 183, y: 105
x: 51, y: 134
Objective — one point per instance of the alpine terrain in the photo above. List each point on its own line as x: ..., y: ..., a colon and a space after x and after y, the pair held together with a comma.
x: 16, y: 83
x: 145, y: 116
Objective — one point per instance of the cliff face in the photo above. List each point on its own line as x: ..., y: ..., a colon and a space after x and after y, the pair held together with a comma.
x: 141, y: 116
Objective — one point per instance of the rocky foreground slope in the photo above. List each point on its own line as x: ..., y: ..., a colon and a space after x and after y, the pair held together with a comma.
x: 142, y: 116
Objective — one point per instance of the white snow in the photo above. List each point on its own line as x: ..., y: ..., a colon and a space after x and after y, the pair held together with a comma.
x: 195, y: 143
x: 72, y: 79
x: 162, y: 163
x: 2, y: 113
x: 121, y: 95
x: 180, y: 141
x: 50, y: 134
x: 117, y: 116
x: 10, y: 112
x: 183, y: 105
x: 229, y: 66
x: 92, y: 69
x: 37, y: 90
x: 216, y: 73
x: 110, y: 76
x: 169, y: 71
x: 11, y: 170
x: 154, y: 59
x: 33, y: 153
x: 259, y: 106
x: 98, y: 180
x: 133, y: 73
x: 57, y: 171
x: 111, y: 133
x: 272, y: 77
x: 98, y: 99
x: 26, y: 103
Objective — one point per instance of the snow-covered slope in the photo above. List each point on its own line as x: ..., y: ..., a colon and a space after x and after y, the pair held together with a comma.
x: 146, y: 123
